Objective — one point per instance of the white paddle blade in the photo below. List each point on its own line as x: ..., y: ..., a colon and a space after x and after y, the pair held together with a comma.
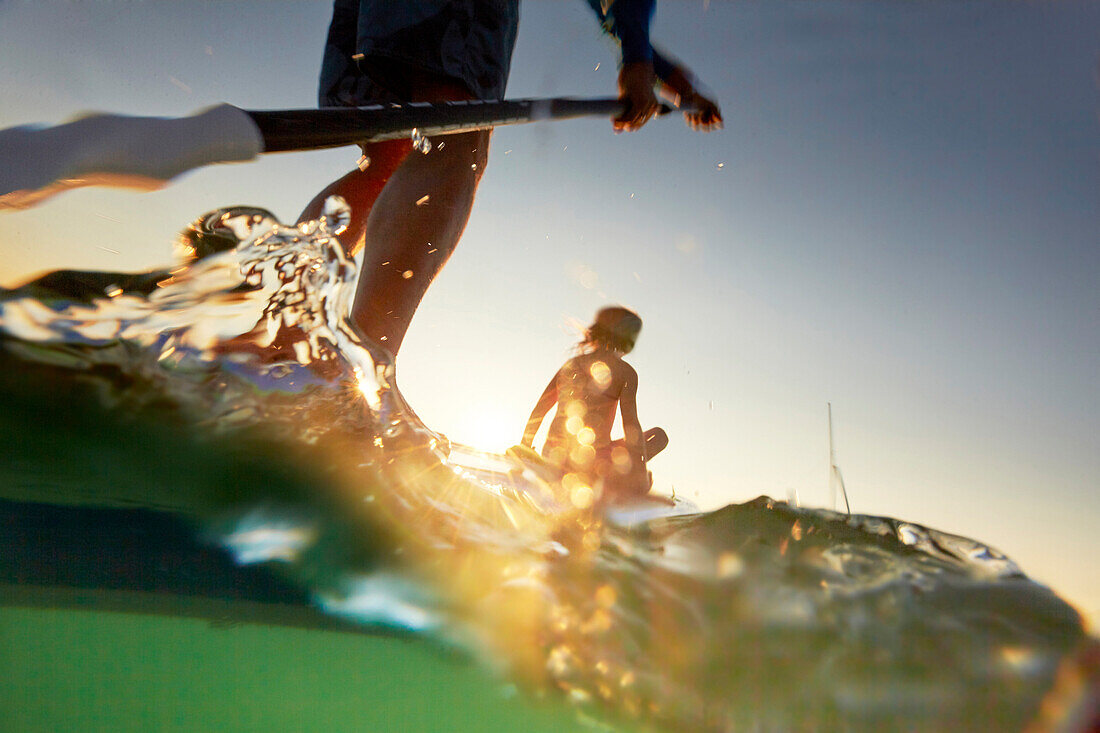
x: 116, y: 150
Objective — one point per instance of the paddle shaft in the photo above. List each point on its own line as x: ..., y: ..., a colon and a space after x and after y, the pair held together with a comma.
x: 146, y: 152
x: 315, y: 129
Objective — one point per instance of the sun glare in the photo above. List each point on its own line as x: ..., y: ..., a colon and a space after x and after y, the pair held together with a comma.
x: 489, y: 429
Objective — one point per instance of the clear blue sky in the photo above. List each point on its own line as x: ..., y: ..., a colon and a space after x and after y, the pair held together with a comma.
x: 901, y: 218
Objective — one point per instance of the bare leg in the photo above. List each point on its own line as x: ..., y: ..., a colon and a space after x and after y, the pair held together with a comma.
x: 412, y: 230
x: 360, y: 188
x: 656, y: 440
x: 423, y: 204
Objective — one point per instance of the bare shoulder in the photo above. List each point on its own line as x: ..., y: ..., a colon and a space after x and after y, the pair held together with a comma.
x: 606, y: 370
x: 571, y: 367
x: 622, y: 371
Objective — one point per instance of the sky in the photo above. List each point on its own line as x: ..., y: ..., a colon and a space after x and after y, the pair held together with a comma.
x: 900, y: 219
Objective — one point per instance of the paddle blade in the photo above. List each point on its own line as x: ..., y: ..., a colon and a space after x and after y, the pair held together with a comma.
x: 118, y: 150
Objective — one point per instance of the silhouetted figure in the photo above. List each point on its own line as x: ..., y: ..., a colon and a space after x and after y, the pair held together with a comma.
x: 586, y: 391
x: 410, y: 210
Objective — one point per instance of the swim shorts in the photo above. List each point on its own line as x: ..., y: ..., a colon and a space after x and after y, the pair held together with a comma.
x: 382, y: 52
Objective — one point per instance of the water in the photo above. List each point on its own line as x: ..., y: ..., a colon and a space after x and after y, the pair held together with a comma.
x: 206, y: 468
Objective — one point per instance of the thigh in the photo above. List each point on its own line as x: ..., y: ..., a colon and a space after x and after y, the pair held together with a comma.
x: 656, y: 440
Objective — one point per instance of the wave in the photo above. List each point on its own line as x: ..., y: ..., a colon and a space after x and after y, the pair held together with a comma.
x: 230, y: 396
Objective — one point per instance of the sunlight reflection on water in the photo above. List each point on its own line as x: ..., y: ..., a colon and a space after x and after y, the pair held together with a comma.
x: 758, y: 615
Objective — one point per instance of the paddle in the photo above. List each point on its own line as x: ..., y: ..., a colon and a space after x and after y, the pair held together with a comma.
x: 147, y: 152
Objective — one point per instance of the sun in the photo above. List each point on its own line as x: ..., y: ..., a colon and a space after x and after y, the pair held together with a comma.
x: 489, y: 429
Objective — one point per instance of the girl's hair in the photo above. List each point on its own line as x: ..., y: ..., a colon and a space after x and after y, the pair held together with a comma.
x: 615, y: 327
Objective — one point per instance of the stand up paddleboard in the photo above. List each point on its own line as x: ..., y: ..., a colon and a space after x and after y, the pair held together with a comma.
x: 151, y: 560
x: 528, y: 470
x: 147, y: 152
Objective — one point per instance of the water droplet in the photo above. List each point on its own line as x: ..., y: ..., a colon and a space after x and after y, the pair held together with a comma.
x: 560, y: 660
x: 423, y: 200
x: 363, y: 163
x: 407, y: 274
x: 730, y: 565
x: 597, y: 67
x: 420, y: 142
x: 721, y: 165
x: 582, y: 497
x: 336, y: 214
x: 417, y: 139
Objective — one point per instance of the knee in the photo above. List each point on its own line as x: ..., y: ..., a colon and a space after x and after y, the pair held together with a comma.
x: 656, y: 435
x: 655, y: 441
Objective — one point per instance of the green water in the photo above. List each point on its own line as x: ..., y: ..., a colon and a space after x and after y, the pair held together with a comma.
x: 96, y: 671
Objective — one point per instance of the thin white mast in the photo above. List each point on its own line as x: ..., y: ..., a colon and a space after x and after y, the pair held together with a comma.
x: 835, y: 479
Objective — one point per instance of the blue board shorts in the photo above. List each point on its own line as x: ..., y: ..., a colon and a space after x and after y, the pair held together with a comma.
x: 417, y: 50
x: 378, y: 79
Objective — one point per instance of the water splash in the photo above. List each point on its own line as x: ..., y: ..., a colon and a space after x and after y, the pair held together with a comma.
x: 757, y: 616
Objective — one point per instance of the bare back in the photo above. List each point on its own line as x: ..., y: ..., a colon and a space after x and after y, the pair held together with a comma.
x: 586, y: 392
x: 589, y: 388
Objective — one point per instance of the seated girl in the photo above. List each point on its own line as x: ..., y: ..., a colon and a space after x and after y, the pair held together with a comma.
x: 586, y: 391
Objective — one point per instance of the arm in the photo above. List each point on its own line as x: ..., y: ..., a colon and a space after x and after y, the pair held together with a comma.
x: 632, y: 427
x: 678, y: 83
x: 547, y: 399
x: 628, y: 21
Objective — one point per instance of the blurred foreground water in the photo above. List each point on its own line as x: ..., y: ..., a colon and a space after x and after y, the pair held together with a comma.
x: 219, y: 512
